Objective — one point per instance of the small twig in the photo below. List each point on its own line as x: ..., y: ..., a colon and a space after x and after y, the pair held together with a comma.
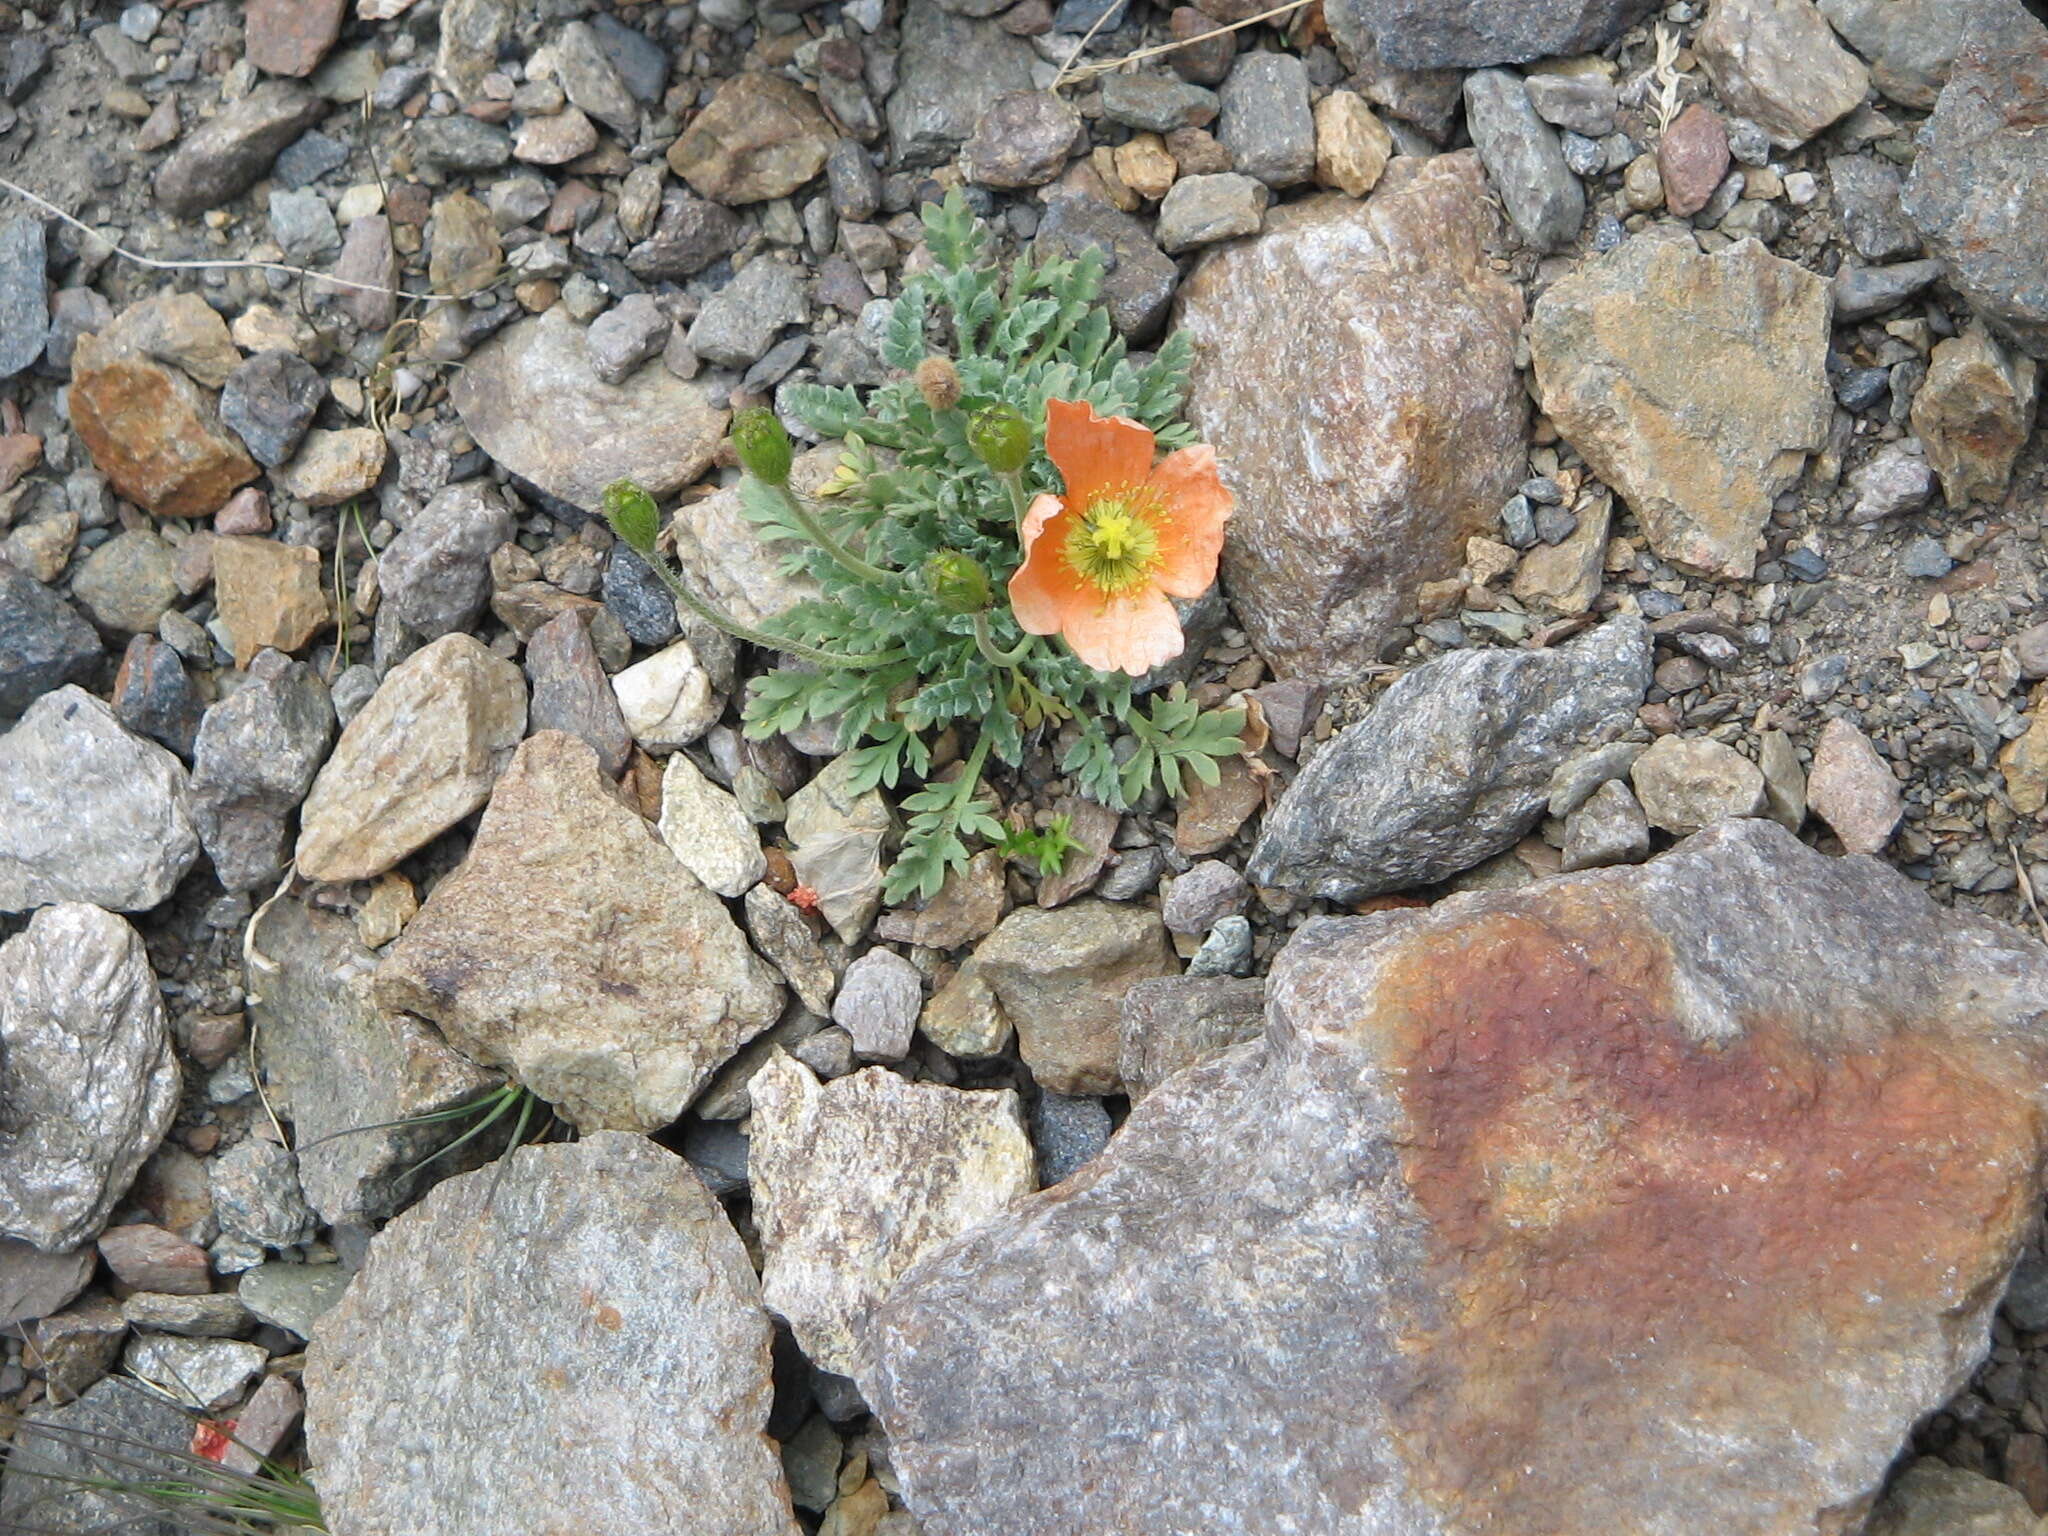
x: 1081, y: 47
x: 2027, y: 885
x: 1109, y: 66
x: 222, y: 265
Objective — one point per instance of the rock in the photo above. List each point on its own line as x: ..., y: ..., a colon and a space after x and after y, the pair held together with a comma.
x: 666, y: 700
x: 1352, y: 145
x: 1156, y: 103
x: 1470, y: 1222
x: 436, y: 574
x: 1173, y: 1022
x: 269, y: 402
x: 63, y: 1459
x: 254, y: 759
x: 969, y: 904
x: 856, y: 1179
x: 1892, y: 481
x: 615, y: 985
x: 460, y: 144
x: 1522, y: 154
x: 1022, y: 140
x: 368, y: 266
x: 950, y: 67
x: 74, y: 1349
x: 226, y: 155
x: 292, y: 1296
x: 34, y: 1284
x: 1973, y: 414
x: 147, y: 1258
x: 95, y: 814
x: 879, y: 1000
x: 269, y: 594
x: 590, y: 78
x: 1203, y: 210
x: 1861, y: 292
x: 570, y: 692
x: 1852, y: 789
x: 1061, y: 977
x: 690, y: 236
x: 2023, y: 762
x: 473, y: 34
x: 1931, y: 1498
x: 1776, y: 62
x: 334, y: 1063
x: 335, y: 467
x: 760, y: 137
x: 1416, y: 34
x: 420, y: 756
x: 1686, y: 783
x: 1867, y: 200
x: 706, y: 829
x: 87, y: 1077
x: 1692, y: 157
x: 24, y: 294
x: 1207, y: 893
x: 530, y: 399
x: 1911, y: 44
x: 303, y: 226
x: 198, y: 1373
x: 725, y: 558
x: 43, y: 642
x: 1453, y: 766
x: 1350, y: 498
x: 128, y: 582
x: 641, y: 1321
x: 257, y: 1197
x: 464, y: 253
x: 740, y: 322
x: 1699, y: 408
x: 291, y: 37
x: 1067, y: 1134
x: 837, y: 839
x: 625, y: 336
x: 152, y: 431
x: 1609, y: 828
x: 1583, y: 101
x: 182, y: 330
x: 1565, y: 577
x: 1266, y: 122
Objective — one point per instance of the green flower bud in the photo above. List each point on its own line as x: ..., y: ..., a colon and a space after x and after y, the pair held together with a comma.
x: 763, y: 445
x: 633, y: 515
x: 957, y: 582
x: 1000, y: 438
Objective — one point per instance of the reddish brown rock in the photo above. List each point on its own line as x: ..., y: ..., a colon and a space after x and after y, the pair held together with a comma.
x: 19, y: 453
x: 1692, y: 157
x: 1711, y: 1169
x: 151, y: 1259
x: 291, y: 37
x: 153, y: 432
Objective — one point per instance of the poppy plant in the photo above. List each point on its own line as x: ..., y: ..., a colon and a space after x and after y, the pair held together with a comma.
x: 1102, y: 561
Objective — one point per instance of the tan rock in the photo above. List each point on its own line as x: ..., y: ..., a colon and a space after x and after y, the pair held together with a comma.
x: 2024, y: 762
x: 180, y: 329
x: 333, y: 467
x: 1384, y: 434
x: 856, y: 1179
x: 1777, y: 63
x: 1352, y: 145
x: 463, y: 250
x: 1143, y: 165
x: 963, y: 1017
x: 1933, y: 1498
x: 1974, y: 414
x: 572, y: 949
x: 1565, y: 578
x: 731, y: 563
x: 1686, y: 783
x: 420, y: 756
x: 1853, y: 789
x: 269, y: 594
x: 1695, y: 386
x: 760, y: 137
x: 152, y: 432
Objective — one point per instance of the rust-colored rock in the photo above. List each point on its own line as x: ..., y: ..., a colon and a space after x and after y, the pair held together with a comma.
x: 153, y: 432
x: 291, y: 37
x: 1384, y: 434
x: 1692, y: 157
x: 1658, y: 1200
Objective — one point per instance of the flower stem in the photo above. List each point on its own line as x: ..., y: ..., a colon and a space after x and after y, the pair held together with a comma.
x: 672, y: 579
x: 995, y: 653
x: 1013, y: 482
x: 814, y: 526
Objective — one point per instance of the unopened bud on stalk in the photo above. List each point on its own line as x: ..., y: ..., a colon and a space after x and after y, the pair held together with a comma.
x: 762, y: 444
x: 957, y: 582
x: 1000, y: 438
x: 633, y: 515
x: 939, y: 382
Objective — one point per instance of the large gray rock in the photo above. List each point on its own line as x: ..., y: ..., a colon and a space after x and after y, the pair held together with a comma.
x: 1776, y: 63
x: 341, y: 1069
x: 437, y: 573
x: 44, y: 644
x: 88, y: 1084
x: 531, y: 399
x: 577, y: 1345
x: 117, y: 1431
x: 951, y: 68
x: 1525, y: 158
x: 1932, y: 1498
x: 254, y: 760
x: 33, y: 1284
x: 24, y: 293
x: 1445, y: 34
x: 1352, y: 494
x: 1451, y: 767
x: 226, y: 155
x: 1979, y: 186
x: 1649, y: 1168
x: 1910, y: 44
x: 88, y: 811
x: 574, y: 950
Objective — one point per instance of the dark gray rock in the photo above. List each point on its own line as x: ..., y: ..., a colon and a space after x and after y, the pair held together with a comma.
x: 256, y: 1195
x: 269, y: 402
x: 460, y: 143
x: 225, y: 156
x: 1140, y: 279
x: 741, y: 321
x: 1867, y: 200
x: 74, y: 312
x: 1584, y: 104
x: 118, y: 1431
x: 591, y: 80
x: 1910, y: 44
x: 437, y: 573
x: 33, y: 1284
x: 1266, y: 122
x: 1452, y: 766
x: 44, y: 644
x: 691, y: 234
x: 638, y: 600
x: 24, y: 293
x: 1524, y: 159
x: 255, y: 758
x: 1462, y: 34
x: 1159, y: 103
x: 1428, y: 98
x: 308, y: 158
x: 22, y: 63
x: 570, y: 691
x: 1861, y: 292
x: 950, y: 68
x: 1067, y: 1132
x: 855, y: 184
x: 641, y: 62
x: 1177, y: 1021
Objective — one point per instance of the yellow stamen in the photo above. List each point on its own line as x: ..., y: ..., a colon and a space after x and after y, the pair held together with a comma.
x: 1114, y: 544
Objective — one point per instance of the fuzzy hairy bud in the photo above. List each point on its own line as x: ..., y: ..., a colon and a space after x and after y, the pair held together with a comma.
x: 762, y: 444
x: 633, y: 516
x: 939, y: 382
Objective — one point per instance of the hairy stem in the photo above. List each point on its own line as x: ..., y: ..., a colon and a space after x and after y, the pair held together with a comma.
x: 672, y: 579
x: 823, y: 537
x: 995, y: 653
x: 1013, y: 482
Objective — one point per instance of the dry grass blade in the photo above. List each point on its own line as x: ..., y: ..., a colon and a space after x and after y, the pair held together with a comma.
x: 2027, y: 886
x: 1111, y: 66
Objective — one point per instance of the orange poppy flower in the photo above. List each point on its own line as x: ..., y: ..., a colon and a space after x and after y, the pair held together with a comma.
x: 1101, y: 562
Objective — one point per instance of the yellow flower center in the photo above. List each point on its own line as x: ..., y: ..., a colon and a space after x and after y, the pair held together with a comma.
x: 1114, y: 544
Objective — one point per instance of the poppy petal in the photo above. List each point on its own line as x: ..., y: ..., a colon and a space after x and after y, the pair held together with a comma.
x: 1094, y: 453
x: 1133, y: 633
x: 1198, y: 507
x: 1044, y: 587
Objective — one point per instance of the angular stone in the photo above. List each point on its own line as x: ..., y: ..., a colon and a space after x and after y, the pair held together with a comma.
x: 1525, y: 158
x: 1694, y: 385
x: 691, y: 235
x: 728, y: 560
x: 667, y: 700
x: 226, y: 155
x: 254, y: 759
x: 193, y: 1317
x: 1973, y: 414
x: 128, y: 582
x: 1203, y: 210
x: 704, y: 826
x: 1853, y: 789
x: 269, y: 401
x: 574, y: 950
x: 88, y: 1083
x: 1620, y: 1165
x: 33, y: 1284
x: 199, y: 1373
x: 780, y: 933
x: 334, y: 1062
x: 1350, y: 498
x: 153, y: 432
x: 837, y: 839
x: 1061, y: 977
x: 1686, y: 783
x: 878, y: 1004
x: 366, y: 274
x: 760, y: 137
x: 1866, y: 192
x: 270, y: 594
x: 473, y: 34
x: 529, y: 397
x: 292, y: 1296
x: 1266, y: 122
x: 1692, y: 157
x: 641, y: 1322
x: 256, y: 1195
x: 420, y: 756
x: 24, y: 294
x: 739, y: 323
x: 71, y: 1350
x: 1932, y: 1498
x: 333, y: 467
x: 857, y: 1179
x: 571, y: 693
x: 591, y: 79
x: 1462, y: 34
x: 1022, y: 140
x: 1452, y: 767
x: 1609, y: 828
x: 950, y: 68
x: 1565, y: 577
x: 436, y: 574
x: 291, y: 37
x: 115, y: 1432
x: 2023, y: 763
x: 1352, y: 145
x: 1776, y: 62
x: 94, y: 814
x: 150, y: 1259
x: 1173, y: 1022
x: 44, y: 644
x: 1911, y: 44
x: 464, y: 255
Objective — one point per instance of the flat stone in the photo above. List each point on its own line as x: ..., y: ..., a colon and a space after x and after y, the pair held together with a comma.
x: 1853, y: 789
x: 1424, y: 34
x: 1471, y: 1225
x: 116, y: 1431
x: 334, y: 467
x: 1694, y: 385
x: 226, y: 155
x: 837, y: 839
x: 1777, y: 63
x: 531, y: 400
x: 34, y: 1284
x: 24, y: 294
x: 615, y: 982
x: 334, y: 1062
x: 781, y: 935
x: 291, y: 37
x: 740, y: 322
x: 270, y: 595
x: 1172, y: 1022
x: 759, y: 137
x: 1525, y: 159
x: 291, y: 1296
x: 94, y: 813
x: 1266, y: 122
x: 571, y: 692
x: 269, y: 402
x: 641, y: 1322
x: 420, y: 756
x: 1973, y: 414
x: 152, y: 431
x: 1204, y: 210
x: 460, y: 144
x: 857, y: 1179
x: 1932, y: 1498
x: 878, y: 1004
x: 198, y: 1373
x: 968, y: 905
x: 725, y: 557
x: 1692, y: 158
x: 1061, y: 977
x: 87, y: 1078
x: 218, y: 1316
x: 590, y: 79
x: 1350, y: 500
x: 950, y: 67
x: 1686, y: 783
x: 148, y: 1258
x: 1579, y: 99
x: 1452, y: 767
x: 1156, y: 103
x: 1861, y: 292
x: 704, y: 827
